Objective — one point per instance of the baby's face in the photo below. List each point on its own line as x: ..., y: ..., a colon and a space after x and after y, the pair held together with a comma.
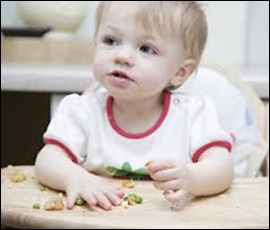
x: 131, y: 62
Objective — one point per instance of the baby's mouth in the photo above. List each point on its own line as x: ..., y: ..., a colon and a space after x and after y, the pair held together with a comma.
x: 120, y: 74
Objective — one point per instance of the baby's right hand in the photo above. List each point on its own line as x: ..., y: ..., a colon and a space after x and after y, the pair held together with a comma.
x: 94, y: 190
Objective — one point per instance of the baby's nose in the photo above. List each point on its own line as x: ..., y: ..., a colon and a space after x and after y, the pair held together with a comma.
x: 125, y: 56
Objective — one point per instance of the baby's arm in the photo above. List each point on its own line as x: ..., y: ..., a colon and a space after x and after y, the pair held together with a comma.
x: 55, y: 169
x: 213, y: 173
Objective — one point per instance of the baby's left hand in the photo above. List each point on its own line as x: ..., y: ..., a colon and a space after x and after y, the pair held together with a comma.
x: 170, y: 176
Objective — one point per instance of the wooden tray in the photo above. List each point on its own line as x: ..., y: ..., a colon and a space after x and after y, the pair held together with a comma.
x: 245, y: 205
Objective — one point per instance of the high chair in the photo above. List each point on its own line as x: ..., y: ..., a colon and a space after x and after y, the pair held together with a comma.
x: 260, y: 109
x: 265, y: 168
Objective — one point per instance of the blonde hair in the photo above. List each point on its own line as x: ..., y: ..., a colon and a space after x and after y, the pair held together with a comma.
x: 184, y: 20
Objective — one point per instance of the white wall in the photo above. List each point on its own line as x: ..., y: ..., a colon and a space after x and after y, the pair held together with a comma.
x: 238, y: 30
x: 258, y: 33
x: 227, y: 31
x: 88, y: 26
x: 9, y: 15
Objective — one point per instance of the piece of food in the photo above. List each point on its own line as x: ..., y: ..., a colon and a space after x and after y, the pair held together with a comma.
x: 133, y: 199
x: 79, y: 202
x: 138, y: 199
x: 36, y: 206
x: 125, y: 204
x: 55, y: 203
x: 128, y: 184
x: 42, y: 188
x: 18, y: 177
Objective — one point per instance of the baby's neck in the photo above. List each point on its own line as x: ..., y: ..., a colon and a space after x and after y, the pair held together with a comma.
x: 137, y: 116
x: 143, y: 106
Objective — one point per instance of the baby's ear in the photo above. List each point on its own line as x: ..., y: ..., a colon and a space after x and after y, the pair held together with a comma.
x: 185, y: 70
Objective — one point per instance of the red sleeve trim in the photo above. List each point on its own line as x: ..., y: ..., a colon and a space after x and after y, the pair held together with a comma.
x: 225, y: 144
x: 63, y: 147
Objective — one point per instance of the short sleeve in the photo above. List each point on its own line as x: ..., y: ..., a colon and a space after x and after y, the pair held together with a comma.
x: 205, y: 129
x: 68, y: 127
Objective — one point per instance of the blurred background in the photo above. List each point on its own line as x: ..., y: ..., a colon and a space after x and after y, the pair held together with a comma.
x: 37, y: 71
x: 238, y: 30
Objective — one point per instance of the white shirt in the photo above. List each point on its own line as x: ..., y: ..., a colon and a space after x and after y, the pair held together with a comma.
x: 84, y: 127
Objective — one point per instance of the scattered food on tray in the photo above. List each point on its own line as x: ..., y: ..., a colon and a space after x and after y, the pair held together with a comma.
x: 128, y: 184
x: 55, y: 203
x: 42, y: 188
x: 79, y: 202
x: 18, y: 177
x: 132, y: 199
x: 36, y: 206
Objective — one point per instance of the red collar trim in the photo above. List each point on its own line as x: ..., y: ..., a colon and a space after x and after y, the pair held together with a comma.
x: 166, y: 105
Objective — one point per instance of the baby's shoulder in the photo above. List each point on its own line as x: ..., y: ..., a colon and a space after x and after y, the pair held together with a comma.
x: 84, y: 100
x: 192, y: 102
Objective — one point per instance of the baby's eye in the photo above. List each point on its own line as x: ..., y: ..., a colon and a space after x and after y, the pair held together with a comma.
x: 111, y: 41
x: 147, y: 49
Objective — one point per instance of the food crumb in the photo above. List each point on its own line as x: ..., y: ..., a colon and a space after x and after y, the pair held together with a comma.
x: 132, y: 199
x: 42, y: 188
x: 18, y: 177
x: 128, y: 184
x: 36, y: 206
x: 55, y: 203
x: 125, y: 204
x: 79, y: 202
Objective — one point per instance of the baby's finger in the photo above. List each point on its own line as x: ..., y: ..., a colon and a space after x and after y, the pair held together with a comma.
x: 167, y: 185
x: 103, y: 201
x: 120, y: 192
x: 89, y: 198
x: 174, y: 196
x: 178, y: 198
x: 114, y: 198
x: 71, y: 198
x: 159, y: 164
x: 165, y: 175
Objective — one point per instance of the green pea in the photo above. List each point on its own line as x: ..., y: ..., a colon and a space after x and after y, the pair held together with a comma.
x: 138, y: 199
x: 42, y: 188
x: 21, y: 177
x: 36, y: 206
x: 79, y: 202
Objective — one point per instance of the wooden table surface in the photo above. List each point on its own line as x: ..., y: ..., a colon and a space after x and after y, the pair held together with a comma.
x: 244, y: 205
